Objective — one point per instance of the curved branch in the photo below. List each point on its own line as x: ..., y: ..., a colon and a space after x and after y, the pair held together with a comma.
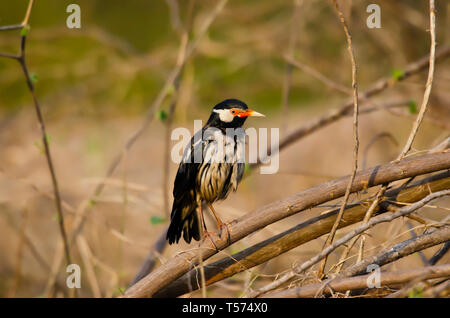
x: 283, y: 208
x: 339, y: 112
x: 360, y: 282
x: 399, y: 250
x: 330, y: 237
x: 360, y: 229
x: 299, y: 235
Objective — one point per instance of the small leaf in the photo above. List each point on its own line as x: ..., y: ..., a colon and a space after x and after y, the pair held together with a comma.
x: 416, y: 293
x: 247, y: 168
x: 155, y: 220
x: 33, y: 77
x: 39, y: 146
x: 92, y: 202
x: 398, y: 74
x: 25, y: 30
x: 162, y: 115
x: 412, y: 106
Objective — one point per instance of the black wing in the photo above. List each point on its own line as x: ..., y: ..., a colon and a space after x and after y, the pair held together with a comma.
x: 184, y: 219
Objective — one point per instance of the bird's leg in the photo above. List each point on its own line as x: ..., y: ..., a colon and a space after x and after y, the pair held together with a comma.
x: 220, y: 224
x: 205, y: 231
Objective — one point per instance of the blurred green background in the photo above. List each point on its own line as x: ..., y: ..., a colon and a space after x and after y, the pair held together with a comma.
x: 95, y: 85
x: 118, y: 61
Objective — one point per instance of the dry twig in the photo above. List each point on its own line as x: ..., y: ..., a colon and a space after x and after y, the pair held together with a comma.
x: 360, y: 282
x: 300, y: 234
x: 360, y: 229
x: 22, y: 60
x: 355, y: 135
x: 253, y: 221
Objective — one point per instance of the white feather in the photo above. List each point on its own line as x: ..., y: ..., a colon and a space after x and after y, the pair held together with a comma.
x: 225, y: 115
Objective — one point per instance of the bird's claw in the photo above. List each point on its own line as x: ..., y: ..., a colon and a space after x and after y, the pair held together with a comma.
x: 221, y: 226
x: 208, y: 235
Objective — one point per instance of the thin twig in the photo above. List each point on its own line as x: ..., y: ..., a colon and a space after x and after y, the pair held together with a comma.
x: 423, y: 108
x: 154, y: 107
x: 372, y: 141
x: 360, y: 282
x: 319, y: 76
x: 81, y: 217
x: 335, y: 114
x: 262, y: 252
x: 295, y: 203
x: 22, y: 60
x: 428, y: 85
x: 355, y: 135
x: 161, y: 242
x: 392, y: 253
x: 360, y: 229
x: 439, y: 254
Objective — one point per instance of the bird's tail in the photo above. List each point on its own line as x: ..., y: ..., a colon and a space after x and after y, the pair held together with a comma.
x: 184, y: 220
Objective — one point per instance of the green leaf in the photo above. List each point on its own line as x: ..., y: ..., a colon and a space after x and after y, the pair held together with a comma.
x: 92, y: 202
x: 412, y: 106
x: 162, y: 115
x: 247, y: 168
x: 33, y: 77
x: 155, y: 220
x: 25, y: 30
x: 398, y: 74
x: 120, y: 291
x: 416, y: 293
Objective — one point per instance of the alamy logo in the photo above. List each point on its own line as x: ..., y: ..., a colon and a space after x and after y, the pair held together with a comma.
x: 74, y: 279
x: 374, y: 19
x: 374, y: 279
x: 213, y: 146
x: 74, y: 19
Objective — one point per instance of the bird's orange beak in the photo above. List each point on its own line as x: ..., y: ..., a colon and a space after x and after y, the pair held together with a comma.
x: 249, y: 112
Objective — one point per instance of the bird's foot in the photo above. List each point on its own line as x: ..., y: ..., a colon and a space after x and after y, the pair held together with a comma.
x: 208, y: 235
x: 223, y: 226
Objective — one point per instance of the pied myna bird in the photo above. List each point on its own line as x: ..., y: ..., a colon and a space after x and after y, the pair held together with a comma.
x: 212, y: 165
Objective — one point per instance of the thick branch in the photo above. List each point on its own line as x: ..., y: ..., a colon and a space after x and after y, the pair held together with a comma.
x: 360, y: 229
x: 278, y: 210
x: 298, y: 235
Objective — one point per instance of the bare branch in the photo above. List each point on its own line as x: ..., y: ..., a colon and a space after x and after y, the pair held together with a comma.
x: 392, y: 253
x: 22, y: 60
x: 338, y: 113
x: 355, y: 135
x: 316, y: 74
x: 428, y: 85
x: 182, y: 58
x: 258, y: 219
x: 360, y: 282
x: 299, y: 235
x: 360, y: 229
